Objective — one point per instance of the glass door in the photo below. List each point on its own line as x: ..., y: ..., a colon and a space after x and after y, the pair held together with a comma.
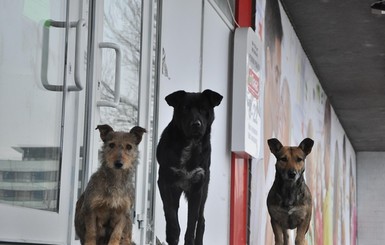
x: 121, y: 93
x: 42, y: 82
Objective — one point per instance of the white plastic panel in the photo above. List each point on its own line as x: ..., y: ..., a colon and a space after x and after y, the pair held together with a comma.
x: 216, y: 75
x: 195, y: 57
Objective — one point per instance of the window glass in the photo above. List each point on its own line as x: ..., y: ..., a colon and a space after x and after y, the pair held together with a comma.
x: 122, y: 26
x: 227, y: 7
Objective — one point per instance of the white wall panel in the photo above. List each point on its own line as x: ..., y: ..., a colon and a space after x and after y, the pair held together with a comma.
x: 371, y: 198
x: 188, y: 65
x: 216, y: 75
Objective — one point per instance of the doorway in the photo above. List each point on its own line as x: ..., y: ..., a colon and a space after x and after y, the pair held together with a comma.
x: 65, y: 67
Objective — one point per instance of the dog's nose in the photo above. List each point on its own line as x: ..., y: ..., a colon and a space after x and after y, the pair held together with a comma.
x: 118, y: 164
x: 291, y: 173
x: 196, y: 124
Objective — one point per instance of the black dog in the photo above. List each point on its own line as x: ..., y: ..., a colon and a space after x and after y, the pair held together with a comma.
x: 183, y: 154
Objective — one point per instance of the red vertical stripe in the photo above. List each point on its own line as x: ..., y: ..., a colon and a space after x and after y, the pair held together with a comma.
x: 239, y: 200
x: 239, y: 165
x: 243, y: 13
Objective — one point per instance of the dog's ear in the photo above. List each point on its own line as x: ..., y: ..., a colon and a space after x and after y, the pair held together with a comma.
x: 306, y: 145
x: 174, y: 98
x: 275, y: 146
x: 104, y: 130
x: 214, y: 98
x: 138, y: 132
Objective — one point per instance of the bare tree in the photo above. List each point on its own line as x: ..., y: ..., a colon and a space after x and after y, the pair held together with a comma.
x: 122, y: 25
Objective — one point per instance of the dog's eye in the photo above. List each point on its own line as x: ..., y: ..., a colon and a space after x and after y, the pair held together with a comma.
x: 203, y: 111
x: 111, y: 145
x: 299, y: 159
x: 128, y: 147
x: 283, y: 159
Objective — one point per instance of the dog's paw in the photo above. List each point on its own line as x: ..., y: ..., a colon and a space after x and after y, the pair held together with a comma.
x: 90, y: 243
x: 197, y: 175
x: 178, y: 172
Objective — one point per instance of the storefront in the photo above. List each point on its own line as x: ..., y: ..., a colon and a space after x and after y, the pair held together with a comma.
x: 67, y: 66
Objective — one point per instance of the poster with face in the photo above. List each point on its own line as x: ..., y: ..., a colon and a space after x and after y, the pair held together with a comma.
x: 295, y: 107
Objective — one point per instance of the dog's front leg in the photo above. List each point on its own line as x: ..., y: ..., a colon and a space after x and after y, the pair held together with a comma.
x: 196, y: 176
x: 170, y: 197
x: 302, y: 229
x: 194, y: 200
x: 280, y: 235
x: 119, y: 225
x: 91, y: 229
x: 300, y: 238
x: 127, y: 237
x: 201, y: 219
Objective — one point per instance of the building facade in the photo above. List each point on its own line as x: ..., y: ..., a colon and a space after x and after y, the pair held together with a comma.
x: 67, y: 66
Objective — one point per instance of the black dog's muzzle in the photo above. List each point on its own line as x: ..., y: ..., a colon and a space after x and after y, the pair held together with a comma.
x: 196, y: 125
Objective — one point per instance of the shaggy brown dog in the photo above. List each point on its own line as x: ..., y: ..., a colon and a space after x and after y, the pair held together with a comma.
x: 289, y: 199
x: 103, y: 211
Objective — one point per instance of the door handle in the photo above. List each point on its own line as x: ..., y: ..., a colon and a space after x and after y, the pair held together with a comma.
x: 118, y: 58
x: 44, y: 61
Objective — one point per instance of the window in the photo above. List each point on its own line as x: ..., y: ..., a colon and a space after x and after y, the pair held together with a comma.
x: 227, y: 7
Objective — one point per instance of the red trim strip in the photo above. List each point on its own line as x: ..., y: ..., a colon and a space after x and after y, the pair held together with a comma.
x: 239, y: 165
x: 232, y: 201
x: 239, y: 200
x: 243, y: 13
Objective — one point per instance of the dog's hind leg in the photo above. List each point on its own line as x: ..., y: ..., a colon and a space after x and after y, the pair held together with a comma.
x: 170, y: 197
x: 80, y: 226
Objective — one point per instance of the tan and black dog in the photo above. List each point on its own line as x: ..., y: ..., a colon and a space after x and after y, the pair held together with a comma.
x: 289, y: 200
x: 103, y: 211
